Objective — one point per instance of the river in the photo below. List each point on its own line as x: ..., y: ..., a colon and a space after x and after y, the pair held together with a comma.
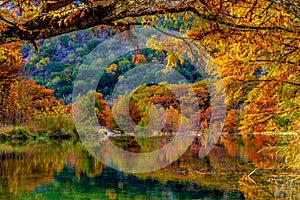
x: 66, y: 170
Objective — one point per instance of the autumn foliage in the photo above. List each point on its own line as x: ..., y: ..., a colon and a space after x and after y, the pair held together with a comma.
x: 255, y: 45
x: 23, y: 102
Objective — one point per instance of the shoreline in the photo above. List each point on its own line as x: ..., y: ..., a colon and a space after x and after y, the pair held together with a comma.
x: 24, y: 133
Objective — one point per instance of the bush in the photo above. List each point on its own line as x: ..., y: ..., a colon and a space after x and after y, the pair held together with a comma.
x: 55, y: 120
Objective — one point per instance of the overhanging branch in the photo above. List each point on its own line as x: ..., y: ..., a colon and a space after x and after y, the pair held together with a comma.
x: 104, y: 12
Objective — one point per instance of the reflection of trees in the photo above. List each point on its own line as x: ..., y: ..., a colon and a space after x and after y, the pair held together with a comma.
x: 270, y: 184
x: 226, y: 166
x: 58, y: 166
x: 21, y: 169
x: 112, y: 184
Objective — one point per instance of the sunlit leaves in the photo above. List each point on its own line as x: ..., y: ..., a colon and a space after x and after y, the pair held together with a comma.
x: 256, y: 46
x: 172, y: 60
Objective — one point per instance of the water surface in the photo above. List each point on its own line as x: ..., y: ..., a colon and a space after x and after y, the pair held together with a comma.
x: 66, y: 170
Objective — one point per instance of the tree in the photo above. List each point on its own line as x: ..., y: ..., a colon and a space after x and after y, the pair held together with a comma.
x: 37, y: 19
x: 256, y: 47
x: 21, y: 100
x: 86, y: 108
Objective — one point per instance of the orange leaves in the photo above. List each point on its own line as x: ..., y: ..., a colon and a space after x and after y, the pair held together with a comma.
x: 19, y: 99
x: 263, y: 104
x: 112, y: 68
x: 259, y: 115
x: 68, y: 109
x: 158, y: 106
x: 102, y: 111
x: 48, y: 92
x: 101, y: 108
x: 138, y: 59
x: 256, y: 47
x: 231, y: 122
x: 10, y: 60
x: 14, y: 102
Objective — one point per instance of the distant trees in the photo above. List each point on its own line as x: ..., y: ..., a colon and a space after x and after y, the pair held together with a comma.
x: 167, y: 115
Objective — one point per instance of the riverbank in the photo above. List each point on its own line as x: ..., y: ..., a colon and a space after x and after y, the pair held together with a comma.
x: 21, y: 134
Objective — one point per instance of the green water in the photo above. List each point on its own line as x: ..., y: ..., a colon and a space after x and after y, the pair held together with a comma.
x: 66, y: 170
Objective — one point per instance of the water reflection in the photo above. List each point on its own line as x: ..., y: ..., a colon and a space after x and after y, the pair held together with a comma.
x: 68, y: 171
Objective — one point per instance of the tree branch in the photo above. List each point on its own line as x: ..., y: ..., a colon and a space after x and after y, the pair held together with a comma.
x: 269, y: 80
x: 105, y: 12
x: 56, y: 4
x: 47, y: 25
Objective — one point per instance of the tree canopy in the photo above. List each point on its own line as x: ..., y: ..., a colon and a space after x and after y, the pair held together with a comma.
x: 37, y: 19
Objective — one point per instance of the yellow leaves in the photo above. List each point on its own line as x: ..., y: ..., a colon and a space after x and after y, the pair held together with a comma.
x: 112, y: 68
x: 153, y: 18
x: 44, y: 17
x: 172, y: 59
x: 56, y: 15
x: 66, y: 15
x: 66, y: 21
x: 175, y: 48
x: 166, y: 16
x: 143, y: 20
x: 154, y: 44
x: 20, y: 27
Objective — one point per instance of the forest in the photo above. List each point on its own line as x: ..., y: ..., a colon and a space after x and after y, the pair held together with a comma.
x: 248, y: 89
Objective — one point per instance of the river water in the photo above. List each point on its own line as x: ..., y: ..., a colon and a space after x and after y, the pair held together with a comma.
x: 66, y: 170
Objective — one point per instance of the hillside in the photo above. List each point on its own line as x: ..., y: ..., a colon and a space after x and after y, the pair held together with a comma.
x: 57, y: 63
